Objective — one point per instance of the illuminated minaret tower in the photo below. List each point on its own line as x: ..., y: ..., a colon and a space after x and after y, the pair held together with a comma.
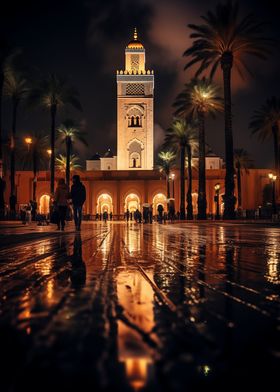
x: 135, y: 110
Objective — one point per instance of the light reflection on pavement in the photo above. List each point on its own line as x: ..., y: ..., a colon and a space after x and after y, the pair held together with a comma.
x: 130, y: 307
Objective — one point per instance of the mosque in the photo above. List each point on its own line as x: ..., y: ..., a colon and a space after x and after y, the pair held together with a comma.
x: 129, y: 179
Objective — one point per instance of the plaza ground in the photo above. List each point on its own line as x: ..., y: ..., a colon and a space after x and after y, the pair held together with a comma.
x: 133, y: 307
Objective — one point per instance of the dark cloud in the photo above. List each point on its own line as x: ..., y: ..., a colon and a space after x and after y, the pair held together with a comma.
x: 85, y: 41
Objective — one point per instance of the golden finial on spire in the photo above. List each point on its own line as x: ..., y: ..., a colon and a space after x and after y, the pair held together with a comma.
x: 135, y: 35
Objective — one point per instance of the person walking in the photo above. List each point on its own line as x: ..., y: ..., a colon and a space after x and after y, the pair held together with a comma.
x: 105, y: 216
x: 78, y: 196
x: 127, y: 215
x: 160, y: 212
x: 61, y: 197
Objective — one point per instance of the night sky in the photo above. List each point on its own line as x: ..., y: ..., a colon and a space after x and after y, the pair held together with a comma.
x: 85, y: 42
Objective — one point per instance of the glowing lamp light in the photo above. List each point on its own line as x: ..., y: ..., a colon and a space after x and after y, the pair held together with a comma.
x: 217, y: 187
x: 28, y: 140
x: 272, y: 177
x: 49, y: 152
x: 172, y: 176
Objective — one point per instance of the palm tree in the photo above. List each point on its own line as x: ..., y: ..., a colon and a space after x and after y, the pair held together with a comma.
x: 35, y: 155
x: 68, y: 134
x: 61, y: 163
x: 7, y: 54
x: 198, y: 99
x: 15, y: 87
x: 242, y: 161
x: 226, y: 39
x: 166, y: 162
x: 53, y: 93
x: 182, y: 138
x: 265, y: 123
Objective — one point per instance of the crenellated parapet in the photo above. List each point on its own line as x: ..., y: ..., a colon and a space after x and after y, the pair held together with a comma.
x: 135, y: 72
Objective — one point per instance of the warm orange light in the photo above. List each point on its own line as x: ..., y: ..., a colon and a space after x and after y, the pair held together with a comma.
x: 172, y: 176
x: 49, y: 152
x: 272, y: 176
x: 217, y: 187
x: 28, y: 140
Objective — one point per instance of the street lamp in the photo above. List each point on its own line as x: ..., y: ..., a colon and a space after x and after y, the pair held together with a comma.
x: 49, y: 152
x: 173, y: 177
x: 273, y: 178
x: 216, y: 199
x: 28, y: 141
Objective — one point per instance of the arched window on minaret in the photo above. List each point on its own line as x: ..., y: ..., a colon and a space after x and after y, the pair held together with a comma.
x: 137, y: 121
x: 131, y: 121
x: 135, y: 155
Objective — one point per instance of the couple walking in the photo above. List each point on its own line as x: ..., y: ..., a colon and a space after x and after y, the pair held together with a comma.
x: 78, y: 197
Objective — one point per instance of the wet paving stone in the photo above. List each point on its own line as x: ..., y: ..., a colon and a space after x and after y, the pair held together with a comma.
x: 123, y: 306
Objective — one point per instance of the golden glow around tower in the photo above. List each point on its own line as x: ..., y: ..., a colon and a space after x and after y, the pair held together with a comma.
x: 135, y: 110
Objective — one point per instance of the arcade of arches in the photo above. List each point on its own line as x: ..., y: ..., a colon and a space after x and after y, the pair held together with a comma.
x: 118, y: 190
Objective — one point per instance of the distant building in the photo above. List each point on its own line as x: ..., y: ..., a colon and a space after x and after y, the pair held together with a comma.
x: 212, y: 161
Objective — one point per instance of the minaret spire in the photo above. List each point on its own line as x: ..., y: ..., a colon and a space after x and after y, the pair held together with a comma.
x: 135, y: 35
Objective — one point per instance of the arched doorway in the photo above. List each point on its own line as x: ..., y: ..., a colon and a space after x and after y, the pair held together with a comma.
x: 159, y: 199
x: 44, y: 204
x: 104, y: 203
x: 194, y: 202
x: 132, y: 202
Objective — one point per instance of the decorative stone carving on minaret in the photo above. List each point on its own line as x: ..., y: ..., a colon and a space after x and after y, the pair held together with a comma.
x: 135, y: 110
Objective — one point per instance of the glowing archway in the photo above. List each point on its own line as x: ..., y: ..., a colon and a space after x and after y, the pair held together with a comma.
x: 194, y: 202
x: 132, y: 202
x: 104, y: 203
x: 44, y: 204
x: 159, y: 199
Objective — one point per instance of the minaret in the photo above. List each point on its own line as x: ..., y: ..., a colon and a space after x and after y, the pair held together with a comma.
x: 135, y: 110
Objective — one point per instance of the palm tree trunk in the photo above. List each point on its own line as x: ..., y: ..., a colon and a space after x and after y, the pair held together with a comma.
x: 239, y: 185
x: 1, y: 131
x: 189, y: 194
x: 275, y: 132
x: 182, y: 180
x: 68, y: 155
x: 12, y: 157
x: 34, y: 173
x: 201, y: 202
x: 226, y: 64
x: 167, y: 186
x: 53, y: 115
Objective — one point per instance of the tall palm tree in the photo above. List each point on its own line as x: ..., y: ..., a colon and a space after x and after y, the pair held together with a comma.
x: 16, y: 88
x: 242, y: 161
x: 7, y: 54
x: 182, y: 137
x: 68, y: 133
x: 166, y: 162
x: 226, y: 39
x: 61, y: 163
x: 265, y: 123
x: 34, y: 155
x: 52, y: 93
x: 198, y: 99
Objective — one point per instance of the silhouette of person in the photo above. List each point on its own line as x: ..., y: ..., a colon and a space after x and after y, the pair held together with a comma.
x: 78, y: 271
